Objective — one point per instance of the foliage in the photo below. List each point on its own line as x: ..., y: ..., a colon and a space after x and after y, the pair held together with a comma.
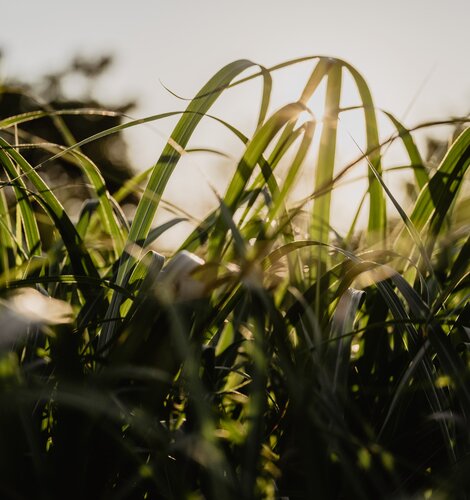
x: 52, y: 119
x: 253, y: 364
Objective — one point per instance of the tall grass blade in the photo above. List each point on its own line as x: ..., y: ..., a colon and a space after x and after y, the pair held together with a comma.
x: 26, y: 214
x: 339, y: 348
x: 7, y: 248
x: 164, y: 168
x: 79, y: 257
x: 435, y: 199
x: 250, y: 159
x: 419, y: 171
x: 377, y: 210
x: 326, y: 156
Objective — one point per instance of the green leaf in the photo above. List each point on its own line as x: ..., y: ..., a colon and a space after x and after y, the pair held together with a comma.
x: 377, y: 209
x: 79, y: 257
x: 339, y: 348
x: 326, y: 156
x: 250, y: 159
x: 27, y: 217
x: 435, y: 199
x: 163, y: 170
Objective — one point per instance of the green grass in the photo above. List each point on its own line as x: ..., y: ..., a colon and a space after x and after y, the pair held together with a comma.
x: 329, y: 367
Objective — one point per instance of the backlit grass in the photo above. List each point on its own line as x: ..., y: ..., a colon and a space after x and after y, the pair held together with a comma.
x: 269, y: 356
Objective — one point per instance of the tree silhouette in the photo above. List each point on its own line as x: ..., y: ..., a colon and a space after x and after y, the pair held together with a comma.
x: 49, y: 92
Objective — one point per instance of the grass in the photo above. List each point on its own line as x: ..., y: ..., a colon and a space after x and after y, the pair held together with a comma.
x: 251, y: 363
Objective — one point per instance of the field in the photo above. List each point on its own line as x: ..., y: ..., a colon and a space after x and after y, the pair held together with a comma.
x: 269, y: 356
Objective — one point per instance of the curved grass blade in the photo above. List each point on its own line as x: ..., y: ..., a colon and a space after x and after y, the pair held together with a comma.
x: 87, y: 210
x: 421, y: 176
x: 377, y: 209
x: 132, y: 184
x: 265, y: 179
x: 305, y: 131
x: 182, y: 133
x: 339, y: 348
x: 8, y: 245
x: 156, y: 232
x: 435, y: 200
x: 163, y: 169
x: 245, y: 168
x: 79, y: 257
x: 106, y: 209
x: 457, y: 272
x: 26, y: 213
x: 35, y: 115
x: 408, y: 223
x: 266, y: 95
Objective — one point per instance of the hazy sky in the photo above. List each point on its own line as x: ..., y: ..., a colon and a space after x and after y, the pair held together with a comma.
x: 396, y: 45
x: 408, y: 50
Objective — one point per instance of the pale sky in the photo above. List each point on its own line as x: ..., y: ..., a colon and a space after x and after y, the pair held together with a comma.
x: 411, y: 52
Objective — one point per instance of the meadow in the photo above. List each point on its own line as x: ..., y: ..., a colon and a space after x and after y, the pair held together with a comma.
x: 269, y: 356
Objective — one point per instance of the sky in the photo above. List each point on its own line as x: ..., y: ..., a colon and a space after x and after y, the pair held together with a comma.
x: 412, y: 53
